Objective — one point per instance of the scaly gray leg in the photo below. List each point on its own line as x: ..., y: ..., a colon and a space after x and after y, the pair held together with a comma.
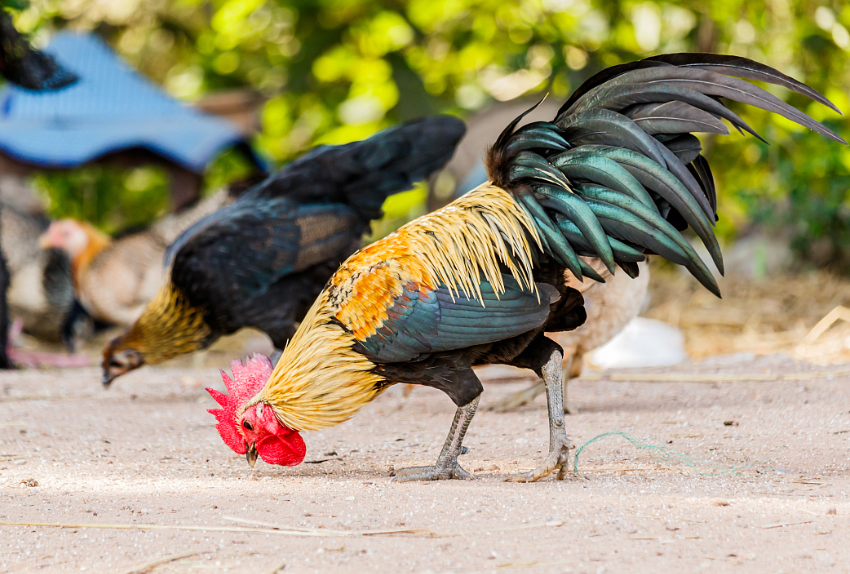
x: 526, y: 396
x: 565, y: 378
x: 447, y: 466
x: 559, y: 444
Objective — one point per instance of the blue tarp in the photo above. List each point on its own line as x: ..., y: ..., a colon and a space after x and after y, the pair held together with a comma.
x: 110, y: 108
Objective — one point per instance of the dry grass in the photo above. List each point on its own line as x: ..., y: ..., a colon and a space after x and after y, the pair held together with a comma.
x: 760, y: 316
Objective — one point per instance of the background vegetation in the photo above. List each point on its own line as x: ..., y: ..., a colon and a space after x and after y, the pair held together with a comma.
x: 338, y: 70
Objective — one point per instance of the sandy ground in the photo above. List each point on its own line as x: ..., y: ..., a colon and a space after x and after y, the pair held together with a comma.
x: 146, y: 453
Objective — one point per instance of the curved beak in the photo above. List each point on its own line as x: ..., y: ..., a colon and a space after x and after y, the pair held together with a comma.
x: 108, y: 377
x: 251, y: 455
x: 112, y: 371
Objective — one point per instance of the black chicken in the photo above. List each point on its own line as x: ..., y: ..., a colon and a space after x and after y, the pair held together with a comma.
x: 261, y: 261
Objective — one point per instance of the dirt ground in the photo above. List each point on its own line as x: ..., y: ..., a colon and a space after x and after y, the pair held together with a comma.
x: 146, y: 453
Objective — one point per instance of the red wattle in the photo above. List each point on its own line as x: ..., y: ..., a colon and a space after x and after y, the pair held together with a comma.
x: 288, y: 450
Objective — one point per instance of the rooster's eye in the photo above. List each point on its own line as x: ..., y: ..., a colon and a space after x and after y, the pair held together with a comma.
x: 247, y: 425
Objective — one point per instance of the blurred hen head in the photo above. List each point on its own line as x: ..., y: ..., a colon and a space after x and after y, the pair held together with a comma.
x: 79, y: 239
x: 69, y: 235
x: 254, y: 431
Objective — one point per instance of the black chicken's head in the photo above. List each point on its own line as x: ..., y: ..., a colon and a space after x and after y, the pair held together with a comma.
x: 119, y: 361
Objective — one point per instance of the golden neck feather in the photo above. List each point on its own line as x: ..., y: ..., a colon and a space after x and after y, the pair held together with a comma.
x: 320, y: 380
x: 169, y: 327
x: 469, y: 238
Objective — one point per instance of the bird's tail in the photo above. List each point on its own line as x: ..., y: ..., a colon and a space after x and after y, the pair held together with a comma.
x: 393, y: 160
x: 25, y: 66
x: 364, y: 173
x: 618, y: 173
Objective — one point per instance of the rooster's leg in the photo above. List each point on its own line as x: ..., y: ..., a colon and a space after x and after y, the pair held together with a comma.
x: 559, y: 444
x: 447, y: 465
x: 565, y: 378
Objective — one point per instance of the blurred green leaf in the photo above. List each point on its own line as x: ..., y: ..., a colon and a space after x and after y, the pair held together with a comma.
x: 15, y: 4
x: 112, y: 199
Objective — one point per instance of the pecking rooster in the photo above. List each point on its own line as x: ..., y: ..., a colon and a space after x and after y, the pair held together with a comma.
x: 617, y: 174
x: 261, y: 261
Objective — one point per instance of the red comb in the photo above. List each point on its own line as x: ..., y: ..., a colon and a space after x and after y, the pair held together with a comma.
x: 247, y: 381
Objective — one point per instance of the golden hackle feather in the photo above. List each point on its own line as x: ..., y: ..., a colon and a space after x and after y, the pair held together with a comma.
x: 168, y: 327
x: 471, y: 236
x: 320, y: 380
x: 96, y: 242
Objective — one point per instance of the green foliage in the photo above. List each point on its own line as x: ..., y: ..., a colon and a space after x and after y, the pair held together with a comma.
x: 337, y: 70
x: 226, y: 168
x: 809, y: 197
x: 116, y: 199
x: 112, y: 199
x: 14, y: 4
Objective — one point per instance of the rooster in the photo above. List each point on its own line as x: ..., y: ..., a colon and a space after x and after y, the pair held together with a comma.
x: 262, y: 260
x: 616, y: 175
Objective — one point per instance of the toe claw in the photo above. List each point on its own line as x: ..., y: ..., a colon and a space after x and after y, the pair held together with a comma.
x: 557, y: 459
x: 563, y: 471
x: 461, y: 474
x: 431, y: 473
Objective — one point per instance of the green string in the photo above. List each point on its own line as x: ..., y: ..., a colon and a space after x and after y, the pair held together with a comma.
x: 668, y: 455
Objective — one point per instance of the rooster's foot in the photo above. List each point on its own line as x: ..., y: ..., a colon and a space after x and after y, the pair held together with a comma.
x: 435, y: 472
x: 558, y: 459
x: 446, y: 466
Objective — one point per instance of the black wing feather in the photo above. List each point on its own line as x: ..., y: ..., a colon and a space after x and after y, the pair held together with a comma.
x: 294, y: 229
x: 363, y: 174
